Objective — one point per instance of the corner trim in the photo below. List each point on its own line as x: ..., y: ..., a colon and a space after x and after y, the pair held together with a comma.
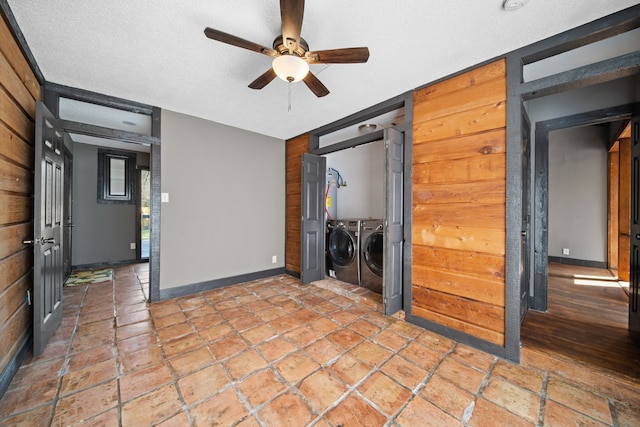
x: 463, y: 338
x: 217, y: 283
x: 292, y: 273
x: 579, y: 262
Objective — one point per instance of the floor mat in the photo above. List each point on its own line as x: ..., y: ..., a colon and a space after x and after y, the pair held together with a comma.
x: 90, y: 276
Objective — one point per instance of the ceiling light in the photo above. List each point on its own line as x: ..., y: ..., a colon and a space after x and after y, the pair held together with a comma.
x: 513, y: 4
x: 290, y: 68
x: 367, y: 127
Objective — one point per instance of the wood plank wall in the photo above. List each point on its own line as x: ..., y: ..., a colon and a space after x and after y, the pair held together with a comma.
x: 613, y: 195
x: 294, y: 149
x: 19, y: 91
x: 624, y: 209
x: 459, y: 188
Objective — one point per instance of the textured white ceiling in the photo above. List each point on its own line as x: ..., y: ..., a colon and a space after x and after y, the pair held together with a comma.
x: 155, y: 52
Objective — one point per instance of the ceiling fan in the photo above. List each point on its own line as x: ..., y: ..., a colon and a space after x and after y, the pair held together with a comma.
x: 291, y: 52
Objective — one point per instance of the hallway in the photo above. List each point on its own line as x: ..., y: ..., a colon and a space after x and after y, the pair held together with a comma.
x: 273, y: 352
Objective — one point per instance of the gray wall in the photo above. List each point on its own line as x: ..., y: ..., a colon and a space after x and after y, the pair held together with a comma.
x: 578, y: 193
x: 610, y: 94
x: 362, y: 168
x: 102, y: 233
x: 226, y: 211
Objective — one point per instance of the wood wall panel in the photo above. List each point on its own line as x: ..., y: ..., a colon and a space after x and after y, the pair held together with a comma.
x: 294, y: 149
x: 19, y: 91
x: 453, y: 214
x: 481, y: 119
x: 15, y: 87
x: 13, y: 267
x: 461, y: 325
x: 15, y: 149
x: 16, y: 119
x: 489, y: 167
x: 624, y: 210
x: 11, y: 51
x: 460, y: 192
x: 14, y: 296
x: 459, y: 203
x: 15, y: 178
x: 15, y: 209
x: 11, y: 238
x: 460, y: 238
x: 471, y: 287
x: 469, y: 98
x: 493, y: 71
x: 465, y: 262
x: 468, y: 146
x: 485, y: 316
x: 13, y: 333
x: 612, y: 209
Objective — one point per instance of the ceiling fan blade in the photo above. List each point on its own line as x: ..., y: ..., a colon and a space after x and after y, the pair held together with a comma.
x: 351, y: 55
x: 291, y: 13
x: 227, y: 38
x: 263, y: 80
x: 315, y: 85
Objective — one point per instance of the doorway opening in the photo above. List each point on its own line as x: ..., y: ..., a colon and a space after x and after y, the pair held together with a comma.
x: 144, y: 212
x: 582, y: 309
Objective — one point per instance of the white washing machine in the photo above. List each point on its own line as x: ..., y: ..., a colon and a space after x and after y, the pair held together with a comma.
x: 343, y: 257
x: 371, y: 254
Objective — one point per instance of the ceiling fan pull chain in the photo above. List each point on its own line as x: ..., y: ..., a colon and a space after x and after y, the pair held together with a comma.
x: 289, y: 109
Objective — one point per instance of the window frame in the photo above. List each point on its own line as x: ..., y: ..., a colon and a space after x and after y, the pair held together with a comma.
x: 104, y: 177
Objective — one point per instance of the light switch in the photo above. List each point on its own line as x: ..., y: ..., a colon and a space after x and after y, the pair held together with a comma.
x: 165, y: 198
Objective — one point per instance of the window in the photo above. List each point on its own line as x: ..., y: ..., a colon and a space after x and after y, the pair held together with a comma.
x: 116, y: 177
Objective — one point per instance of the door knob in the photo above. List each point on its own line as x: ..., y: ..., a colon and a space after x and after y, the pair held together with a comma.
x: 29, y: 242
x: 44, y: 241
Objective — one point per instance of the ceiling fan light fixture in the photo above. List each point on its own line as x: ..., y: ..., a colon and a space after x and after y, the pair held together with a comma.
x: 290, y: 68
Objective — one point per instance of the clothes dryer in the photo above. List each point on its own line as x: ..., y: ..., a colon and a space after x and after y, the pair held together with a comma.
x: 343, y: 250
x: 371, y: 254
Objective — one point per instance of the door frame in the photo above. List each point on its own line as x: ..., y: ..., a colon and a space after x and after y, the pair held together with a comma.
x: 519, y: 90
x: 139, y: 170
x: 402, y: 101
x: 51, y: 95
x: 541, y: 213
x: 525, y: 275
x: 67, y: 231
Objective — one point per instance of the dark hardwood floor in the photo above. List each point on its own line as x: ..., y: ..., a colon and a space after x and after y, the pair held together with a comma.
x: 586, y: 321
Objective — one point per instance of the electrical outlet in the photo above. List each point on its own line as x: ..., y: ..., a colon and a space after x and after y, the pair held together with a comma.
x: 565, y: 251
x: 164, y: 197
x: 274, y: 259
x: 132, y: 245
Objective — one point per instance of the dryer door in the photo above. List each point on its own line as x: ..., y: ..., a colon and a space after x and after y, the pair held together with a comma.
x: 373, y: 253
x: 342, y: 247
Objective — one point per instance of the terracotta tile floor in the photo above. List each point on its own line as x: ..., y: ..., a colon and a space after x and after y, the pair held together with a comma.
x: 274, y: 352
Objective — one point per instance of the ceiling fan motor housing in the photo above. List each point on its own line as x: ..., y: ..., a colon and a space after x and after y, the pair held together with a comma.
x: 280, y: 47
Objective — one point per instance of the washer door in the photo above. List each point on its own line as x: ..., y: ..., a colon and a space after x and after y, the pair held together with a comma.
x: 342, y: 248
x: 373, y: 253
